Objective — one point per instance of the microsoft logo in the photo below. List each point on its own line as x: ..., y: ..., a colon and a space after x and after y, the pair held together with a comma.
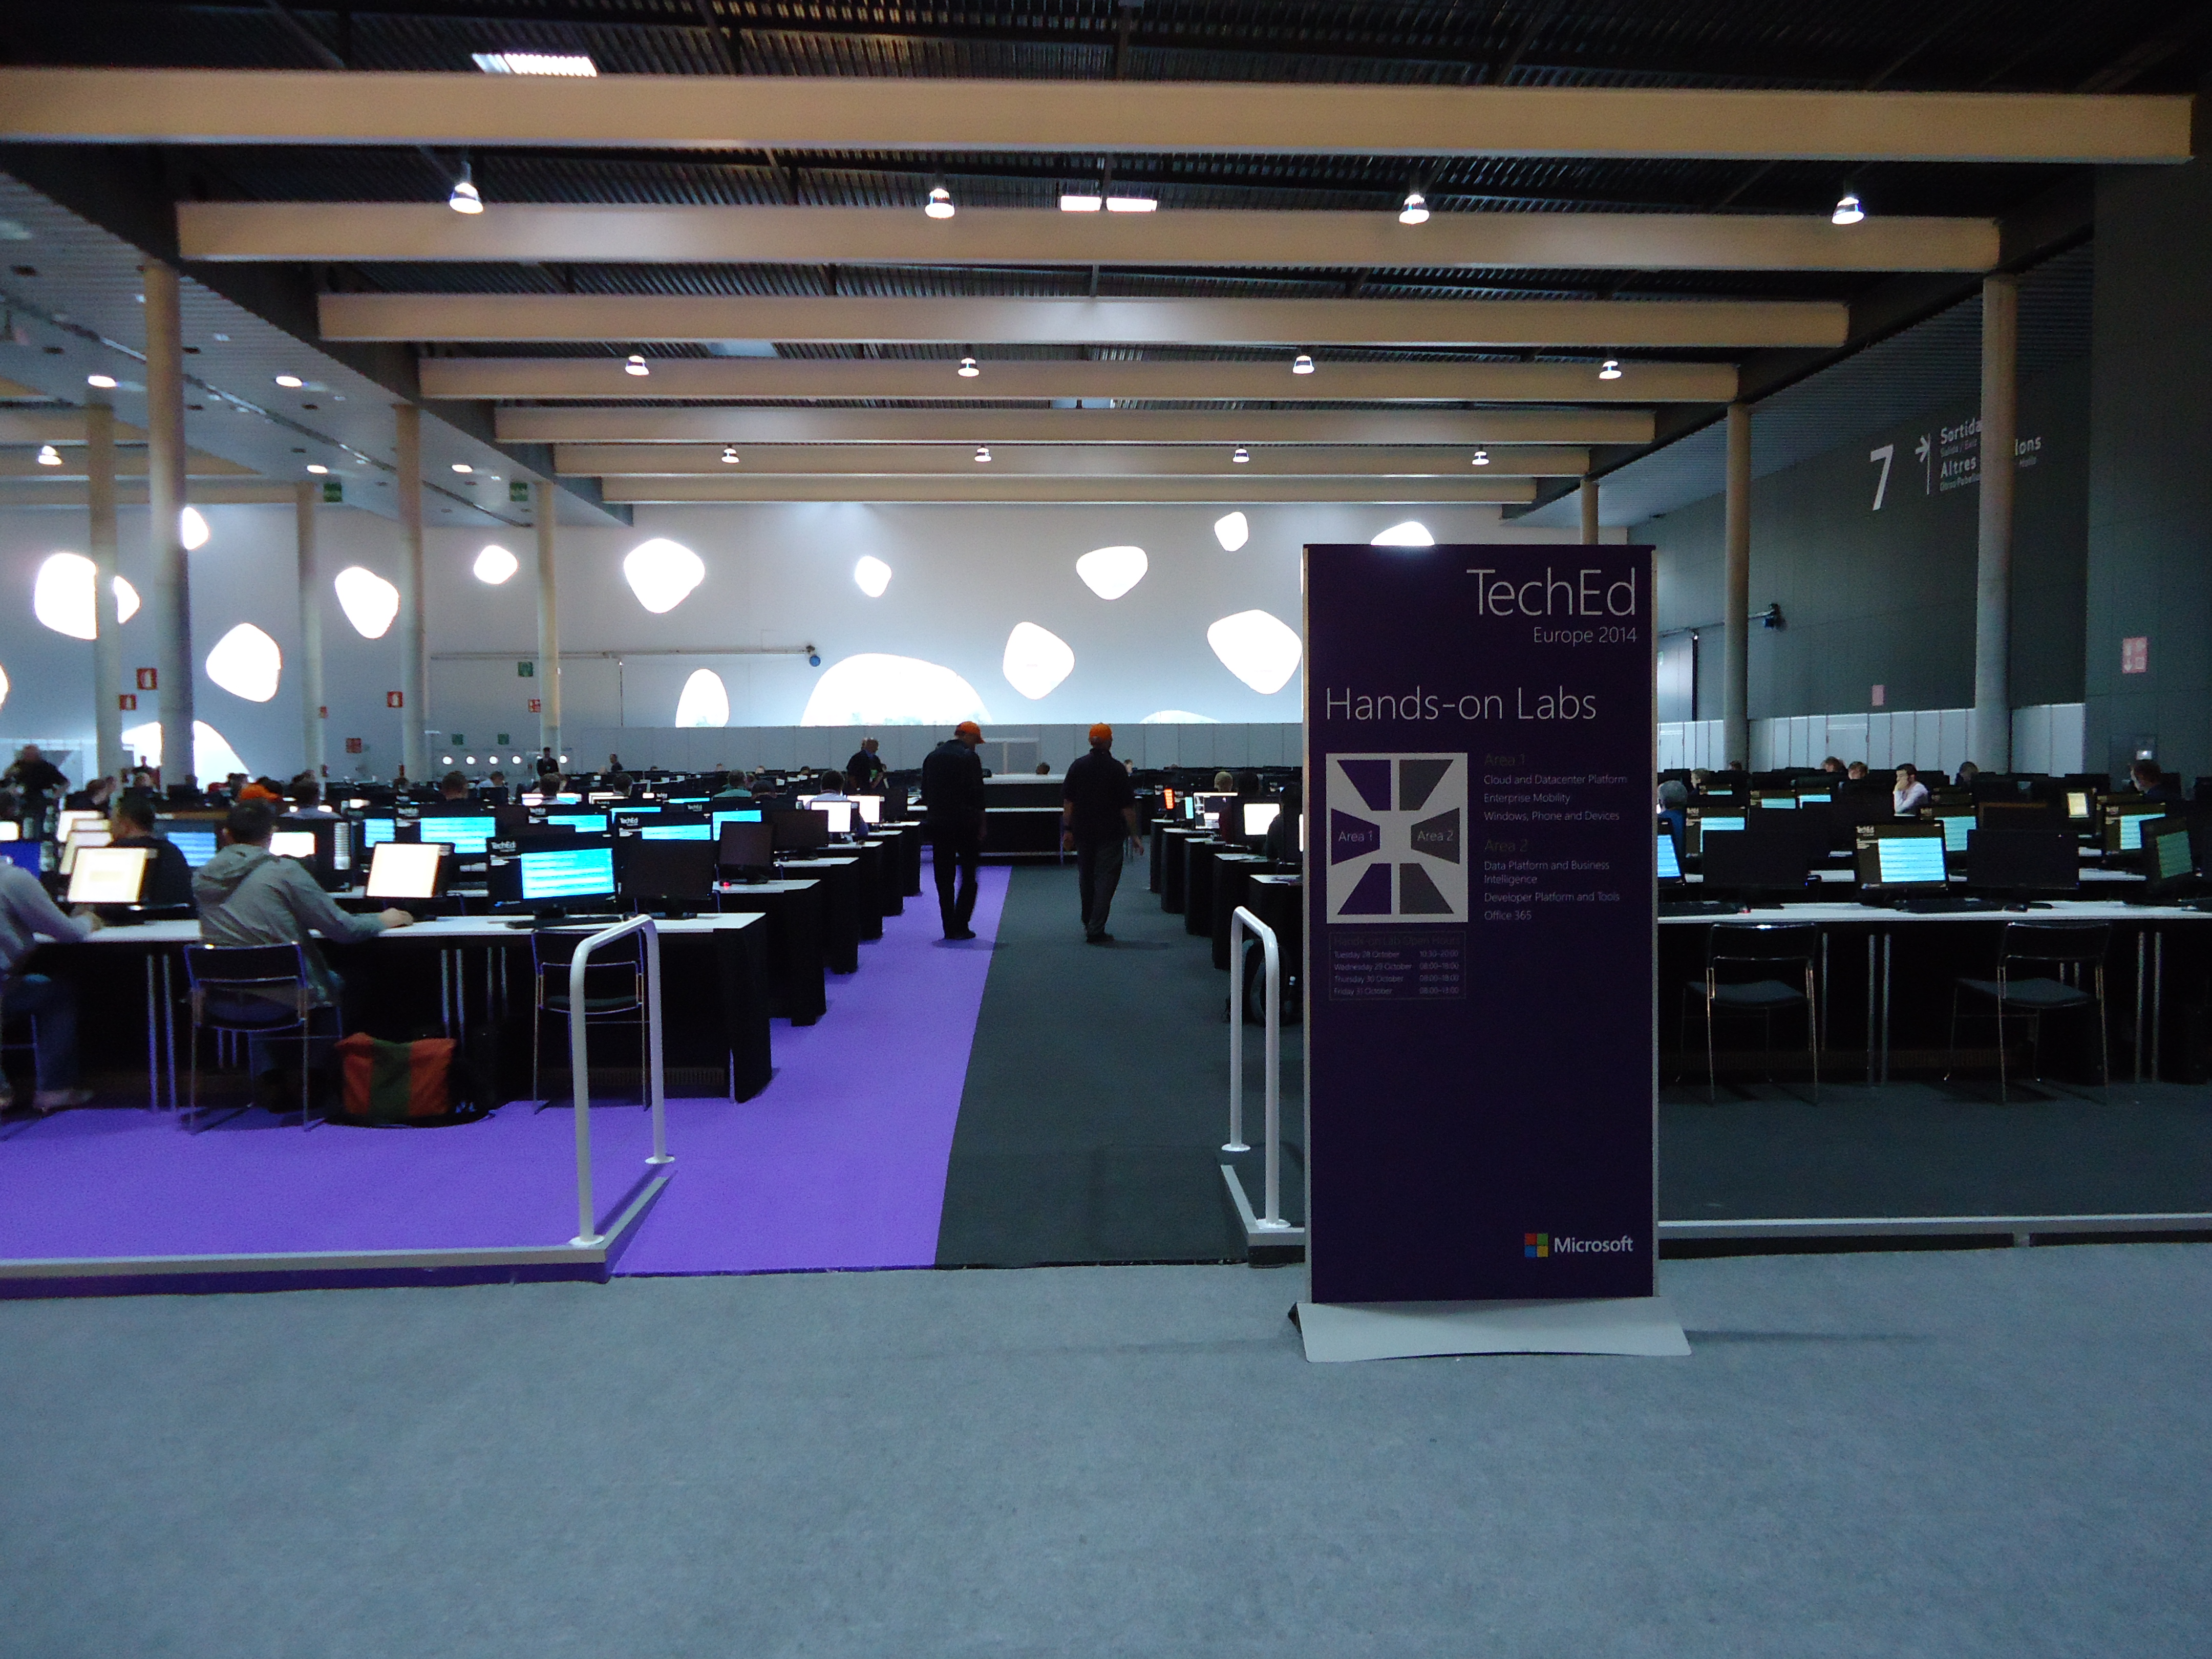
x: 1544, y: 1245
x: 1536, y: 1244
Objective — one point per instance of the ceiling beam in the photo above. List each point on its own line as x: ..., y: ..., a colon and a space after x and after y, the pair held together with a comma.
x: 1592, y: 325
x: 64, y: 492
x: 415, y: 232
x: 689, y: 378
x: 1230, y: 492
x: 130, y: 463
x: 59, y: 425
x: 1078, y: 118
x: 644, y: 427
x: 1046, y: 461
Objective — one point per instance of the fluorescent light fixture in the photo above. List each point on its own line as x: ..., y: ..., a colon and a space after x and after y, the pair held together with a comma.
x: 1610, y: 369
x: 290, y: 382
x: 465, y: 197
x: 1480, y: 457
x: 1848, y: 211
x: 636, y: 365
x: 1416, y: 210
x: 1301, y: 364
x: 49, y: 456
x: 247, y: 663
x: 1412, y: 532
x: 1110, y: 572
x: 967, y: 369
x: 705, y: 701
x: 1081, y: 204
x: 662, y: 574
x: 1258, y: 647
x: 729, y: 455
x: 941, y: 202
x: 534, y: 63
x: 982, y: 451
x: 1130, y: 204
x: 105, y: 382
x: 463, y: 467
x: 1232, y: 530
x: 872, y: 575
x: 1036, y: 661
x: 1241, y: 455
x: 494, y: 565
x: 192, y: 529
x: 370, y: 602
x: 317, y: 468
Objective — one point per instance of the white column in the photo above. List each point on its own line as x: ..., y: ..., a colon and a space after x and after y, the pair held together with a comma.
x: 1736, y: 599
x: 549, y: 622
x: 107, y: 642
x: 170, y: 603
x: 311, y: 629
x: 1587, y: 492
x: 1990, y: 745
x: 414, y: 663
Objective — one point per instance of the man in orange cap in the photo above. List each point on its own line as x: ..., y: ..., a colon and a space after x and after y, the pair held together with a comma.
x: 1098, y: 813
x: 952, y: 809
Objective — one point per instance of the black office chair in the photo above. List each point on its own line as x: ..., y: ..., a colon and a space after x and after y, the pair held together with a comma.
x: 254, y: 992
x: 26, y: 1044
x: 2068, y: 946
x: 614, y: 992
x: 1742, y: 960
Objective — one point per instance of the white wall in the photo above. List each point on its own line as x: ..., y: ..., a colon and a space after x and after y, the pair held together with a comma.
x: 2046, y: 738
x: 776, y: 575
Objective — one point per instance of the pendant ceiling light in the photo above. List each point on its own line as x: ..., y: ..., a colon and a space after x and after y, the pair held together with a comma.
x: 1301, y: 364
x: 1416, y: 209
x: 939, y: 205
x: 1848, y: 211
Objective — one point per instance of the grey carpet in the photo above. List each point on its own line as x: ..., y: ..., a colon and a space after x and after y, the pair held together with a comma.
x: 1997, y: 1454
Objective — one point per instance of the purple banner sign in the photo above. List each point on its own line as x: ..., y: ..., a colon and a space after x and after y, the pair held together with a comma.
x: 1481, y: 1055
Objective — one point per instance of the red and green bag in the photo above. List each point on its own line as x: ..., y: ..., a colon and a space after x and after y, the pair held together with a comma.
x: 397, y: 1081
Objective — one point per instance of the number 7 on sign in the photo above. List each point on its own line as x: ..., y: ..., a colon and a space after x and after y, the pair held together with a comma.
x: 1881, y: 484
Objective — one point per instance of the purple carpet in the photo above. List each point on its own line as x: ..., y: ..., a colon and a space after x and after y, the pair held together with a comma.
x: 839, y: 1162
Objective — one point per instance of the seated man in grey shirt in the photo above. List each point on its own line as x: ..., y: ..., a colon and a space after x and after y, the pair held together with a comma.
x: 26, y: 915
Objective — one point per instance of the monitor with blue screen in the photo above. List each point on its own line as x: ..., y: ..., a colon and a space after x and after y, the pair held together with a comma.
x: 23, y: 854
x: 2130, y: 826
x: 568, y: 873
x: 469, y: 836
x: 1956, y: 826
x: 1670, y: 866
x: 585, y: 824
x: 196, y: 845
x: 375, y: 831
x: 1910, y: 860
x: 1711, y: 822
x: 745, y: 815
x: 676, y: 832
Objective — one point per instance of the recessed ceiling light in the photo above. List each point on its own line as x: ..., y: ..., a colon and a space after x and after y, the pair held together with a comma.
x: 967, y: 369
x: 1481, y: 458
x: 982, y: 451
x: 463, y: 466
x: 1301, y: 364
x: 317, y: 468
x: 939, y: 205
x: 49, y: 456
x: 1130, y: 204
x: 1081, y: 204
x: 1416, y: 209
x: 636, y: 365
x: 1241, y: 455
x: 1610, y: 369
x: 1848, y: 211
x: 534, y: 63
x: 729, y: 455
x: 225, y: 338
x: 105, y: 382
x: 290, y: 382
x: 466, y: 197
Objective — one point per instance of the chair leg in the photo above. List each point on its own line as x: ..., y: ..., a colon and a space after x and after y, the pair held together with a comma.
x: 1951, y: 1048
x: 537, y: 1046
x: 1812, y: 1032
x: 1712, y: 1086
x: 307, y: 1047
x: 2104, y: 1049
x: 2004, y: 1087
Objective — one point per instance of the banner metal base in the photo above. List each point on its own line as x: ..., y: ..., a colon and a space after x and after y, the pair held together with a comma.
x: 1641, y: 1326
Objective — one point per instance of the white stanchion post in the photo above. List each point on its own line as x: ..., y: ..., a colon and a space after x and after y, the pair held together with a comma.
x: 1274, y: 1126
x: 1236, y: 1142
x: 660, y: 1153
x: 579, y: 1063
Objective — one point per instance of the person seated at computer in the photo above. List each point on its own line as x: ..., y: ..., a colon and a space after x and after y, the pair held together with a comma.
x: 169, y: 878
x: 1833, y: 764
x: 1968, y: 772
x: 26, y: 915
x: 2150, y: 781
x: 830, y: 786
x: 1856, y: 772
x: 248, y: 896
x: 307, y: 799
x: 95, y: 797
x: 1910, y: 795
x: 1674, y: 810
x: 1281, y: 844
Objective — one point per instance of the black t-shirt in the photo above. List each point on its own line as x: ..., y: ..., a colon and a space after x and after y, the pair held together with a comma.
x: 1098, y: 788
x: 952, y: 781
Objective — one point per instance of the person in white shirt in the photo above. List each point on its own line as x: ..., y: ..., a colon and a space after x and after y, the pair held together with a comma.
x: 1910, y: 795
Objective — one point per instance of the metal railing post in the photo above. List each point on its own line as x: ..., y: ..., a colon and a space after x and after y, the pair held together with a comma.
x: 1240, y: 919
x: 579, y: 1072
x: 1235, y: 1143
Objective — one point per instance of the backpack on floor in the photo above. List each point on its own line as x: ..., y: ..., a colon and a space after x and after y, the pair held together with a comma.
x: 386, y: 1083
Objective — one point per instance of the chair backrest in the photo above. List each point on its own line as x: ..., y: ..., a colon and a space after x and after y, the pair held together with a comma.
x: 248, y: 987
x: 555, y: 947
x: 2055, y: 941
x: 1762, y: 941
x: 229, y: 965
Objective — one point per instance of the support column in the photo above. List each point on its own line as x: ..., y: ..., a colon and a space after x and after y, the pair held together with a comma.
x: 414, y: 662
x: 170, y: 603
x: 107, y: 620
x: 311, y: 629
x: 1736, y: 594
x: 1990, y: 746
x: 1586, y: 493
x: 549, y: 622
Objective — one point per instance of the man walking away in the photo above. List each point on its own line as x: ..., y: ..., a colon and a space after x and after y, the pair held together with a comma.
x: 952, y: 806
x: 1098, y: 813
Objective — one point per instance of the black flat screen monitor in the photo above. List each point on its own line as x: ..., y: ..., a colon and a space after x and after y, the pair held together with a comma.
x: 2124, y: 828
x: 578, y: 871
x: 1909, y: 858
x: 1670, y: 865
x: 796, y: 829
x: 1746, y: 860
x: 681, y: 870
x: 469, y: 834
x: 745, y: 846
x: 2043, y: 863
x: 2170, y: 852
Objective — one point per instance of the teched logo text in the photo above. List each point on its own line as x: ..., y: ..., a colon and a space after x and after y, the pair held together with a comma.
x: 1588, y: 595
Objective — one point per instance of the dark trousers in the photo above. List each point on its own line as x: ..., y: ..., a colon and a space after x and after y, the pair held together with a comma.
x: 955, y: 846
x: 1097, y: 875
x: 52, y: 1006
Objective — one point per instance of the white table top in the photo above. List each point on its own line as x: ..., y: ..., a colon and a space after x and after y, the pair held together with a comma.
x: 450, y: 930
x: 2059, y: 910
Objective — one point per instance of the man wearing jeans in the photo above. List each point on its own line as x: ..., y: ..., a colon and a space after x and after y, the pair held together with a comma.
x: 1098, y: 813
x: 27, y: 913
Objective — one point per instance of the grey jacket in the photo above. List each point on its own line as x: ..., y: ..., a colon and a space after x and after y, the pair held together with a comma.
x: 248, y: 896
x: 25, y: 911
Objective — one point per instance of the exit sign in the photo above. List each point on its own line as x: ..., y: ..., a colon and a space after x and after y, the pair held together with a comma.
x: 526, y: 671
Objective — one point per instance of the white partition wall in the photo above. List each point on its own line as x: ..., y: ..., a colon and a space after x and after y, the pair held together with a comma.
x: 2046, y: 738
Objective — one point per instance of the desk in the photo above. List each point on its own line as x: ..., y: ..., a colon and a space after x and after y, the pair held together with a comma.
x: 1232, y: 873
x: 890, y: 876
x: 1199, y: 853
x: 796, y: 913
x: 840, y: 876
x: 1170, y: 842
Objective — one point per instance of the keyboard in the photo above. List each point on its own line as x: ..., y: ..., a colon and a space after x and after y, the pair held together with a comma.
x: 1699, y: 908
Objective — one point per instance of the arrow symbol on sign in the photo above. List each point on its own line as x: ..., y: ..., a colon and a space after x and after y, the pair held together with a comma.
x: 1925, y: 451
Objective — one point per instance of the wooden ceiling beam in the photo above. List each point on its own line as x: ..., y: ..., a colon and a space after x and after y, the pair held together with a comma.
x: 1050, y: 461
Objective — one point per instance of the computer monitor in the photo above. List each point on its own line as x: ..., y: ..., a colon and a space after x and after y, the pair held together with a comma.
x: 1910, y: 859
x: 293, y: 843
x: 2123, y: 827
x: 375, y: 830
x: 469, y: 834
x: 407, y: 870
x: 1739, y: 860
x: 679, y: 869
x: 1261, y: 815
x: 1212, y: 807
x: 1725, y: 823
x: 702, y: 830
x: 1955, y: 825
x: 1670, y: 864
x: 1763, y: 798
x: 837, y: 808
x: 194, y: 838
x: 2172, y: 854
x: 2077, y: 805
x: 736, y: 815
x: 67, y: 822
x: 871, y: 808
x: 746, y: 846
x: 798, y: 829
x: 10, y: 830
x: 85, y: 835
x: 109, y: 875
x: 2024, y: 862
x: 584, y: 823
x: 23, y: 854
x: 565, y: 874
x: 636, y: 811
